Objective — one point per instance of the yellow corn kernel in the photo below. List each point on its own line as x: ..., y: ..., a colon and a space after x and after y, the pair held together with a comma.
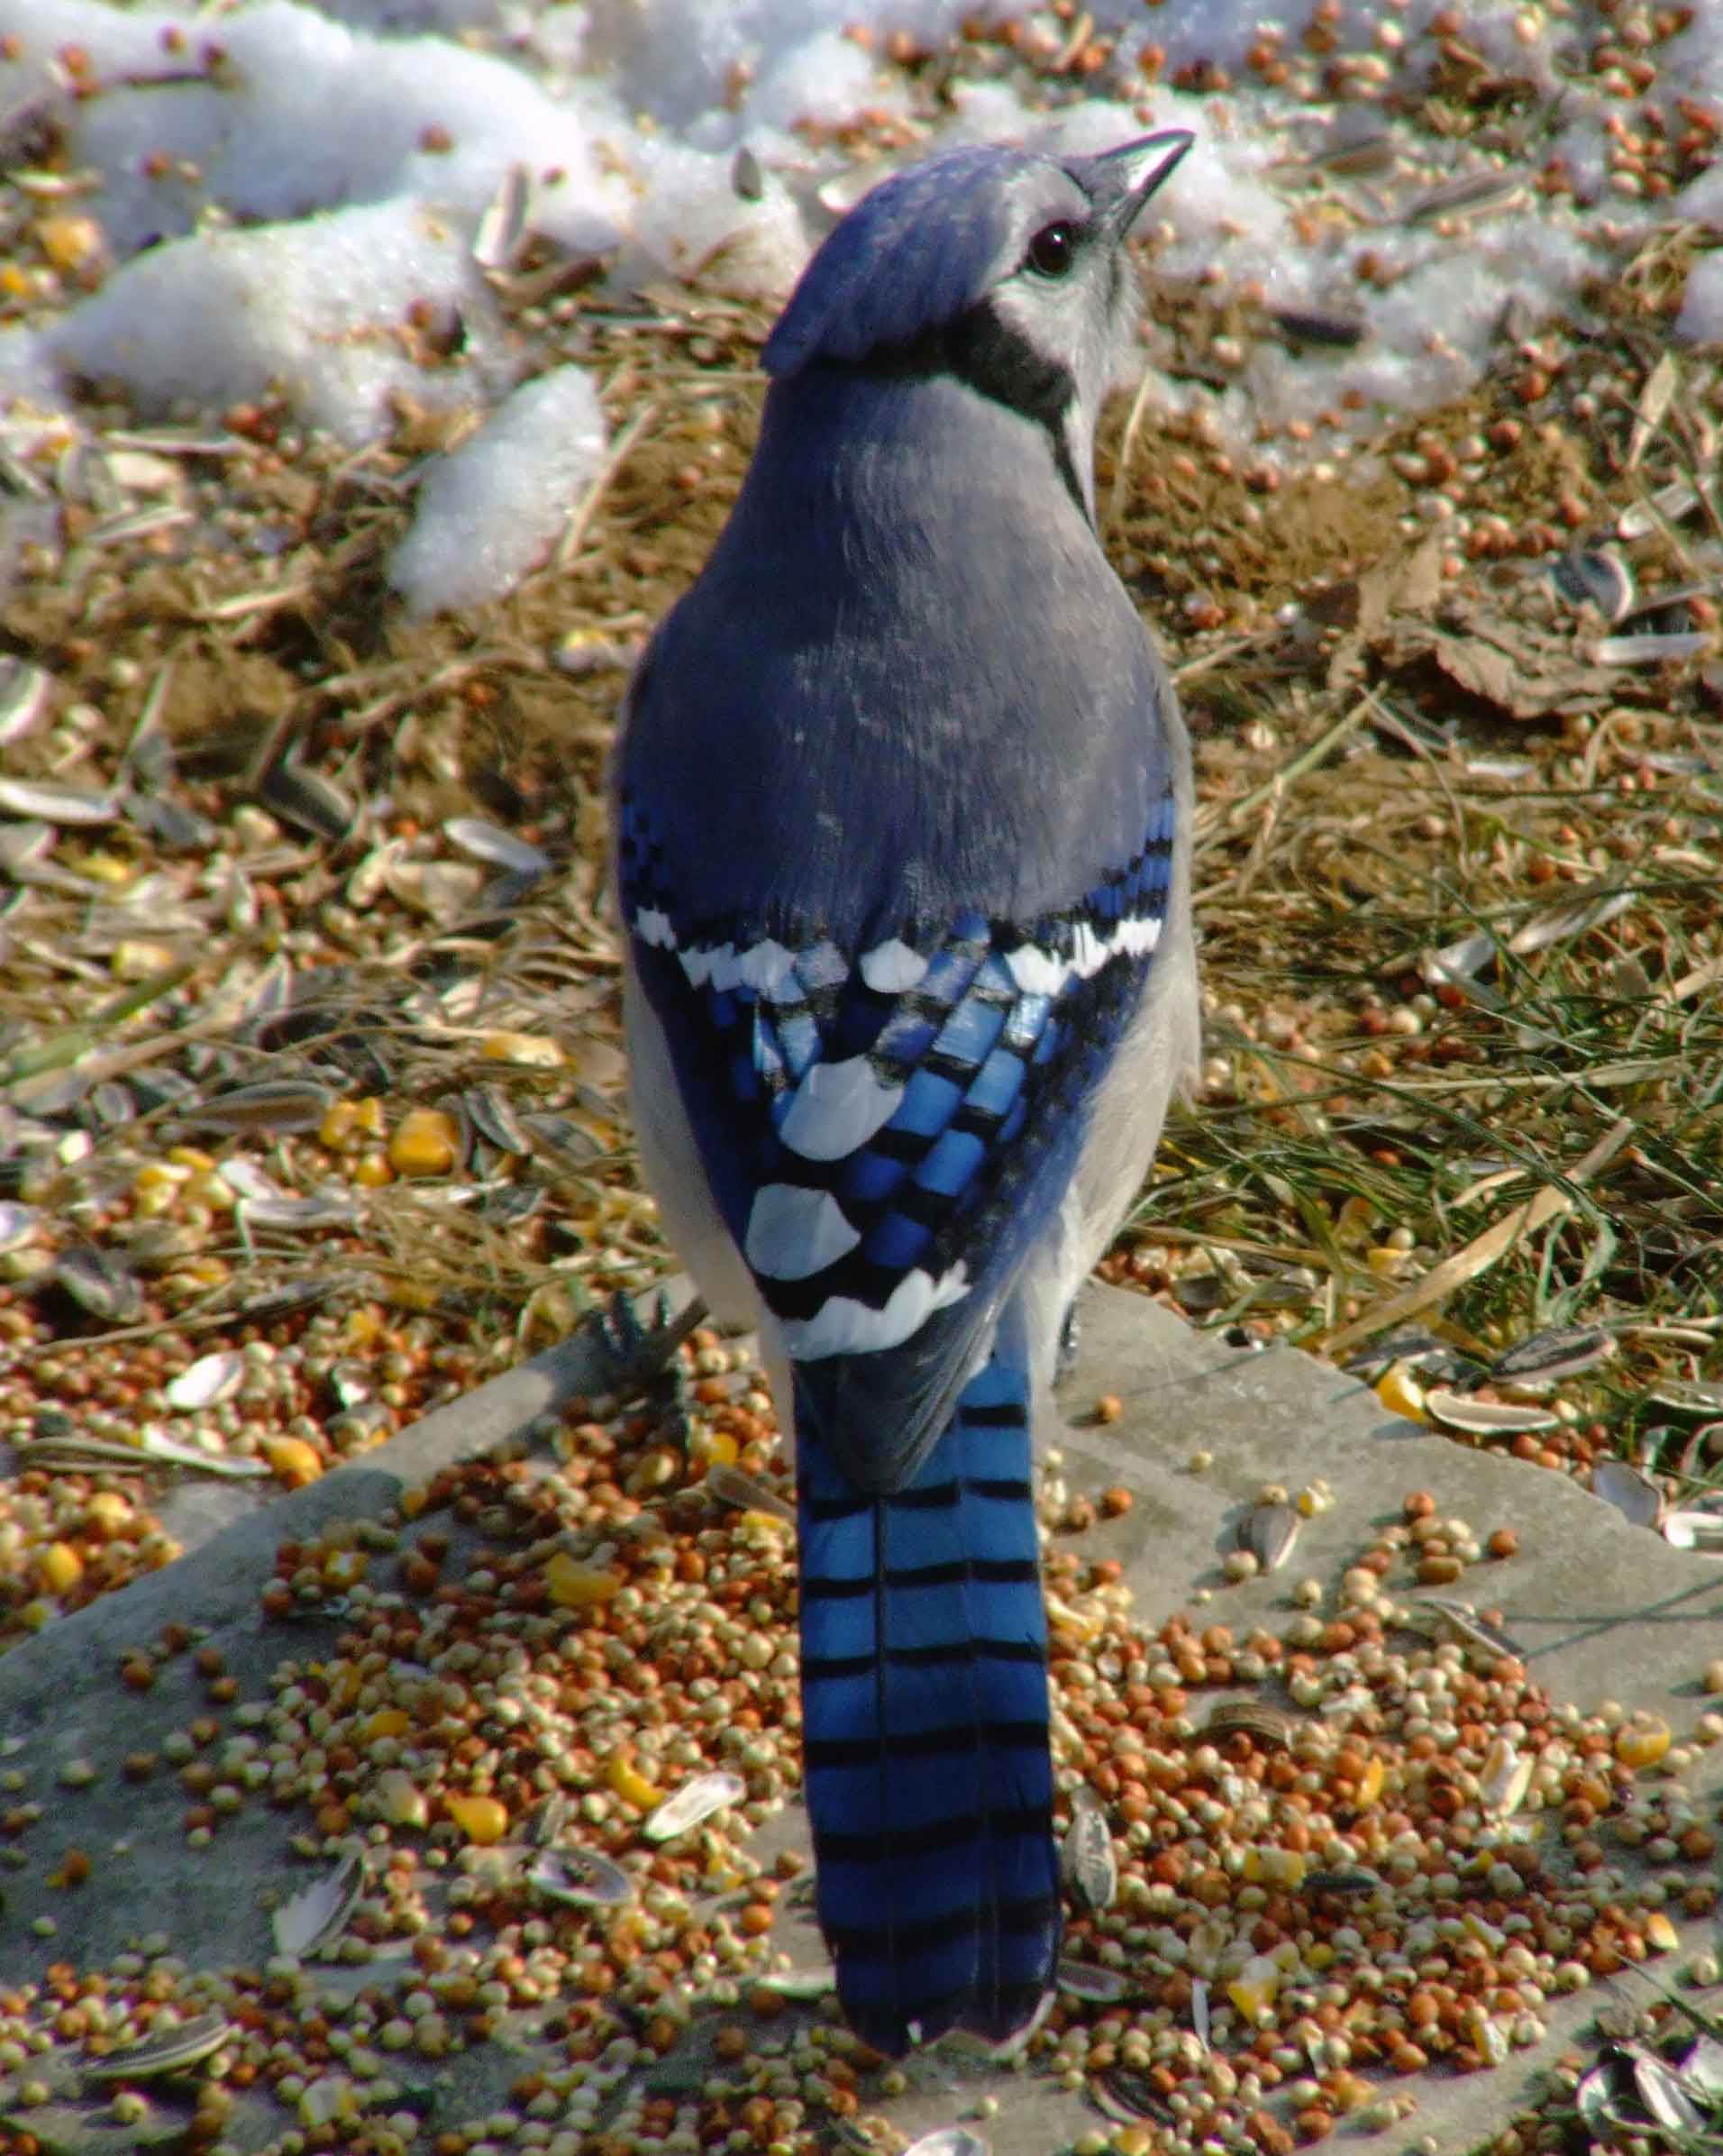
x: 1401, y: 1392
x: 192, y: 1158
x: 426, y: 1142
x: 481, y: 1818
x: 400, y: 1799
x: 1489, y: 2038
x: 1370, y: 1783
x: 1273, y: 1865
x: 535, y: 1050
x: 388, y: 1721
x: 656, y: 1469
x: 372, y: 1171
x: 1661, y: 1935
x: 631, y: 1785
x: 1076, y: 1621
x: 159, y: 1175
x: 708, y: 1448
x: 59, y: 1567
x: 69, y: 242
x: 108, y: 1509
x: 344, y: 1567
x: 339, y: 1127
x: 346, y: 1684
x: 295, y: 1462
x: 106, y: 868
x: 1253, y: 1988
x: 576, y: 1586
x: 139, y: 961
x: 1643, y: 1741
x: 767, y: 1523
x: 412, y: 1499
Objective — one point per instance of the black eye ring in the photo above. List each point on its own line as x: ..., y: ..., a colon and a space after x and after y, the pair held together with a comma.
x: 1054, y: 250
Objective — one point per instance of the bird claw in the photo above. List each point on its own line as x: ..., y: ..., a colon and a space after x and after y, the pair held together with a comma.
x: 1069, y: 1334
x: 637, y: 1357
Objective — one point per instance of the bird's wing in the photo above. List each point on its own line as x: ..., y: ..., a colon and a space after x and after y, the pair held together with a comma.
x: 888, y: 1130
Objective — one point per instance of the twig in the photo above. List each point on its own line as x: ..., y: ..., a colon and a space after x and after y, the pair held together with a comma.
x: 1205, y: 662
x: 72, y: 1044
x: 1702, y: 977
x: 1133, y: 425
x: 197, y: 1316
x: 569, y: 546
x: 1210, y: 822
x: 261, y: 601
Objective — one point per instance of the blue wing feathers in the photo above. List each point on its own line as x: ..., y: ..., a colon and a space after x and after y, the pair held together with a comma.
x: 965, y: 1094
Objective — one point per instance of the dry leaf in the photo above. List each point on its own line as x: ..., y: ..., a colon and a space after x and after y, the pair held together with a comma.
x: 1521, y: 671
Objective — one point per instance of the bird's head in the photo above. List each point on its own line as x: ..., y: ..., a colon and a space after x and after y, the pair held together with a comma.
x: 1000, y: 267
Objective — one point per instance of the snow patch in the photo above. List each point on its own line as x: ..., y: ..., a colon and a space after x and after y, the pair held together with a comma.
x: 492, y: 510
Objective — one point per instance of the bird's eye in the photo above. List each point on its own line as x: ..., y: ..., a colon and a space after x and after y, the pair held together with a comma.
x: 1054, y: 249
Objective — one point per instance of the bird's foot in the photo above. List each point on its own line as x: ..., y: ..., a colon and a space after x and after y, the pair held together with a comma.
x: 641, y: 1357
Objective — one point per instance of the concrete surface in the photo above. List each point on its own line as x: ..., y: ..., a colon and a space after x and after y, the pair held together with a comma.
x: 1603, y: 1609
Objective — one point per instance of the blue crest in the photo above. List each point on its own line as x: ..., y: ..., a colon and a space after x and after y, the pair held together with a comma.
x: 909, y: 258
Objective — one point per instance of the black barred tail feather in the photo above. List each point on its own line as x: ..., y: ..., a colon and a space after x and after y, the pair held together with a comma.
x: 924, y: 1710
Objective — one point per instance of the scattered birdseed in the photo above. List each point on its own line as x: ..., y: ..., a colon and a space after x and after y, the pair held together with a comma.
x: 334, y: 1255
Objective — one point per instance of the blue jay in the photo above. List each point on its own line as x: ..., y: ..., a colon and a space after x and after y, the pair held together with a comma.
x: 902, y: 805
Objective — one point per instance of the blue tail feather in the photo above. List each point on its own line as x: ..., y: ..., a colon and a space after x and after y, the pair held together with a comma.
x: 924, y: 1713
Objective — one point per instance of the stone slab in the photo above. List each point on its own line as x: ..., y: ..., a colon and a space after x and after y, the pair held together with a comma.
x: 1604, y: 1610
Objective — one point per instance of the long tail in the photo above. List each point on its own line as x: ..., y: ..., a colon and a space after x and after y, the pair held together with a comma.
x: 924, y: 1713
